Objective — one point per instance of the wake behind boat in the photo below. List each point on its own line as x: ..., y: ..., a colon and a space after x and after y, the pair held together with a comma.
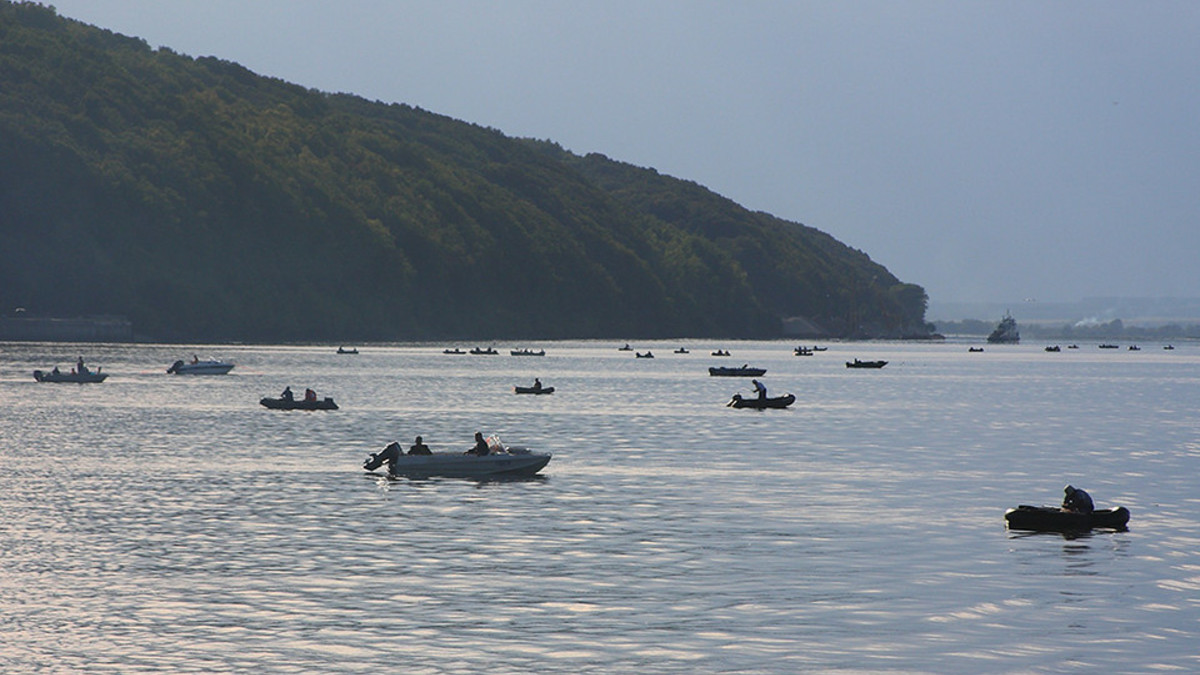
x: 500, y: 462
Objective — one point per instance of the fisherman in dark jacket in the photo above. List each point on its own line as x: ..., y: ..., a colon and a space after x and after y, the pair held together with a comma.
x: 1076, y: 500
x: 481, y: 446
x: 419, y: 448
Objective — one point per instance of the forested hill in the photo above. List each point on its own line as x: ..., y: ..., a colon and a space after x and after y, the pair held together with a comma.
x: 205, y: 202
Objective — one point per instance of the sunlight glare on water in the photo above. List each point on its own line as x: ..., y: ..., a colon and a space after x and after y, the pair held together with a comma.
x: 170, y: 523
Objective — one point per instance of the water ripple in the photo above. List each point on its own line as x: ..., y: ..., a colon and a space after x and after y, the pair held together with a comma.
x: 171, y: 524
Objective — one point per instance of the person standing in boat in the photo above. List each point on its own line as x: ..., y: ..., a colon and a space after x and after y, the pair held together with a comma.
x: 1077, y: 501
x: 481, y: 447
x: 759, y: 389
x: 287, y: 394
x: 79, y: 368
x: 419, y: 448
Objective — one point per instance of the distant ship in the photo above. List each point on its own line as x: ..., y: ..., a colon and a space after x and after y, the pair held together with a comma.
x: 1006, y: 332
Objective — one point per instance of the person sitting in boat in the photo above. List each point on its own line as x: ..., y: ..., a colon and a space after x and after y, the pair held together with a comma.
x: 195, y: 359
x: 759, y: 389
x: 419, y: 448
x: 537, y: 384
x: 481, y: 446
x: 55, y: 371
x: 287, y: 394
x: 310, y: 395
x: 1077, y: 501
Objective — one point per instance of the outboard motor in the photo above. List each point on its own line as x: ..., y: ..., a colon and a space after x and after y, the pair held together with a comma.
x: 388, y: 454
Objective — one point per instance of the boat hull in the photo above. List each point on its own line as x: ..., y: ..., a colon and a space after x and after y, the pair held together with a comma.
x: 200, y: 368
x: 533, y: 390
x: 865, y: 364
x: 284, y: 404
x: 759, y: 404
x: 1006, y: 332
x: 500, y: 465
x: 1053, y: 519
x: 718, y: 371
x: 78, y: 378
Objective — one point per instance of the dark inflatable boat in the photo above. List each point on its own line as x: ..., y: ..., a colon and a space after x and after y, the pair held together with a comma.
x: 1054, y: 519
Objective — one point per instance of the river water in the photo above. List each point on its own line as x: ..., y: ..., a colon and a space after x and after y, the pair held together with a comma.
x: 159, y: 523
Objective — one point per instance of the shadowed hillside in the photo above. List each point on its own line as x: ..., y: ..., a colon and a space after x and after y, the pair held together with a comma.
x: 205, y: 202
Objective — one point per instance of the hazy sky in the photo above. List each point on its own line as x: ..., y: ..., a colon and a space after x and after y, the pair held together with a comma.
x: 989, y: 151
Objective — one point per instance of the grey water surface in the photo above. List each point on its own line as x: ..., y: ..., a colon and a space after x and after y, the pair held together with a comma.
x: 161, y: 523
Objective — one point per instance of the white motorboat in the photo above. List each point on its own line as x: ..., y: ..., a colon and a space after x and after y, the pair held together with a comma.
x: 505, y: 462
x: 198, y: 367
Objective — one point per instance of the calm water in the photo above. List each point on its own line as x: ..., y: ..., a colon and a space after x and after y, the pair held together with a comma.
x: 163, y: 523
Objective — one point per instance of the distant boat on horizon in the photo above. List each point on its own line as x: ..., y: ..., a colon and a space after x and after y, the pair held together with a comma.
x: 1006, y: 331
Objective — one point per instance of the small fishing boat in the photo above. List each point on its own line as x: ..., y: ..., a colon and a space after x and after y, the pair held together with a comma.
x: 802, y: 351
x: 761, y: 403
x: 456, y: 350
x: 626, y: 348
x: 533, y: 390
x: 198, y: 367
x: 1055, y: 519
x: 720, y: 352
x: 744, y: 371
x: 974, y: 349
x: 489, y: 351
x: 500, y: 462
x: 647, y: 355
x: 1054, y: 348
x: 865, y: 364
x: 527, y: 352
x: 298, y: 404
x: 343, y: 350
x: 80, y: 378
x: 682, y: 350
